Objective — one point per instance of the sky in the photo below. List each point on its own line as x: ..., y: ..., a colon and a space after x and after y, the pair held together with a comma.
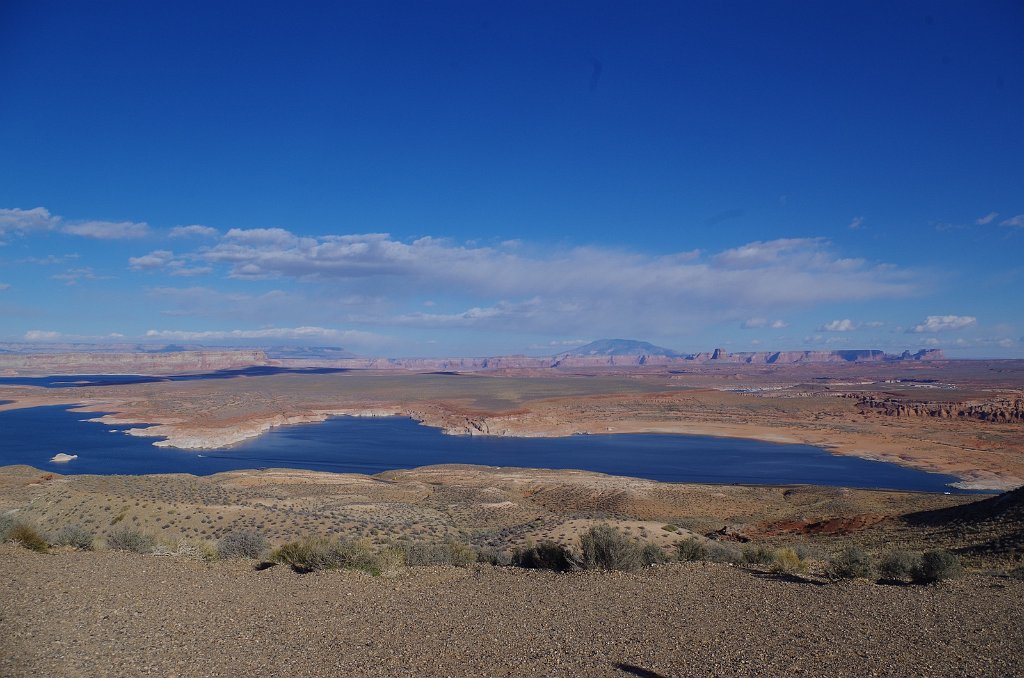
x: 432, y: 179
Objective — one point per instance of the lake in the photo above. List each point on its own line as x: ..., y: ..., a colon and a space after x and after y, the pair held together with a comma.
x: 371, y: 445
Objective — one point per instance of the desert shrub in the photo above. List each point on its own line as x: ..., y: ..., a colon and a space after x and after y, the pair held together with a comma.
x: 691, y: 549
x: 6, y: 523
x: 493, y: 556
x: 808, y: 552
x: 320, y: 553
x: 758, y: 554
x: 936, y: 566
x: 605, y: 548
x: 787, y: 561
x: 28, y: 536
x: 447, y: 552
x: 127, y: 539
x: 546, y: 555
x: 724, y: 552
x: 652, y: 554
x: 897, y: 565
x: 670, y: 528
x: 74, y: 536
x: 242, y: 544
x: 1016, y: 572
x: 853, y: 562
x: 194, y: 549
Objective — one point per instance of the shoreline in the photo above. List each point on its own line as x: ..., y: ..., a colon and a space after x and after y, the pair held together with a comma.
x: 173, y: 434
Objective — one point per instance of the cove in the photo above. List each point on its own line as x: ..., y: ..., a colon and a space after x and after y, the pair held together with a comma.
x: 371, y: 445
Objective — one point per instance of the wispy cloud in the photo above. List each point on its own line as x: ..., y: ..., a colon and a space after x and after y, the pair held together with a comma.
x: 107, y: 230
x: 274, y: 333
x: 844, y: 325
x: 856, y: 224
x: 987, y: 219
x: 943, y: 323
x: 73, y: 275
x: 194, y: 230
x: 760, y: 323
x: 1015, y: 222
x: 5, y: 286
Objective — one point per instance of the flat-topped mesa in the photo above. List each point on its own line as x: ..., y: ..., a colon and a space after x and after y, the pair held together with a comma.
x: 130, y: 363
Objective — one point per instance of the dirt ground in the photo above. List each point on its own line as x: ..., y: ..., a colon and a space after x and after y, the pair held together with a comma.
x: 114, y: 614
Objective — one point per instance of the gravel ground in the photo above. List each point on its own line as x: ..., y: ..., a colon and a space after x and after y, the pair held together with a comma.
x: 107, y: 614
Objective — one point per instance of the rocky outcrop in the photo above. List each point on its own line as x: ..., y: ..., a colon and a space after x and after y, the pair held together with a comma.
x: 999, y: 411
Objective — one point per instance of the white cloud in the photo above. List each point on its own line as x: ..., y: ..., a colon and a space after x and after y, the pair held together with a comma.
x: 987, y: 219
x: 1017, y: 221
x: 42, y: 335
x: 73, y: 275
x: 155, y: 259
x: 758, y: 323
x: 49, y: 259
x: 856, y: 223
x: 5, y: 286
x: 108, y: 230
x: 193, y: 230
x: 19, y: 221
x: 276, y: 333
x: 942, y: 323
x: 844, y: 325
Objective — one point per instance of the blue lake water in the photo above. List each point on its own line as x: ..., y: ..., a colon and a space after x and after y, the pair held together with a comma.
x: 371, y: 445
x: 82, y: 380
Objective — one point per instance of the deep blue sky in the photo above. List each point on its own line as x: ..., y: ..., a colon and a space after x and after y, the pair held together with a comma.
x: 687, y: 173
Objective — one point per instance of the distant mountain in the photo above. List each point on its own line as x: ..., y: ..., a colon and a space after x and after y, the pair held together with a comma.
x: 613, y: 347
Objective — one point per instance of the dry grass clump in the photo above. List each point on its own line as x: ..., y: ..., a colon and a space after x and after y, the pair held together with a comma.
x: 447, y: 552
x: 691, y: 550
x: 242, y: 544
x: 546, y: 555
x: 27, y: 536
x: 605, y: 548
x: 321, y: 553
x: 936, y: 566
x: 852, y: 563
x: 128, y: 539
x: 75, y: 536
x: 897, y: 566
x: 788, y: 562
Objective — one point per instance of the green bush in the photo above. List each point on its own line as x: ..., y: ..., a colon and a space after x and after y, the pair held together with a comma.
x: 936, y: 566
x: 493, y: 556
x: 74, y: 536
x: 724, y: 552
x: 898, y: 565
x: 691, y: 549
x: 605, y: 548
x: 546, y: 555
x: 852, y: 563
x: 127, y: 539
x: 758, y: 554
x: 787, y: 561
x: 28, y: 536
x: 448, y: 552
x: 319, y: 553
x: 651, y: 554
x: 242, y: 544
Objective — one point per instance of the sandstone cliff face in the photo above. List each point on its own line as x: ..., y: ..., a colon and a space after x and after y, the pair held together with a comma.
x: 130, y: 363
x: 999, y: 411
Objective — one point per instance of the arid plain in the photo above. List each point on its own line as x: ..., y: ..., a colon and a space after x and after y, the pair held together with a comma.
x: 109, y: 613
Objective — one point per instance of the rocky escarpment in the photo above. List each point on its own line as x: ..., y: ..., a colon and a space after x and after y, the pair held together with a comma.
x: 130, y: 363
x: 1000, y: 411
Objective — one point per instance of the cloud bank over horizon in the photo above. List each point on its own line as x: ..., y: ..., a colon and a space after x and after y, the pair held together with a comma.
x: 367, y: 290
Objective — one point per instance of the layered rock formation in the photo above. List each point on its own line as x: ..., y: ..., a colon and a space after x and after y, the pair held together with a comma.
x: 1001, y: 411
